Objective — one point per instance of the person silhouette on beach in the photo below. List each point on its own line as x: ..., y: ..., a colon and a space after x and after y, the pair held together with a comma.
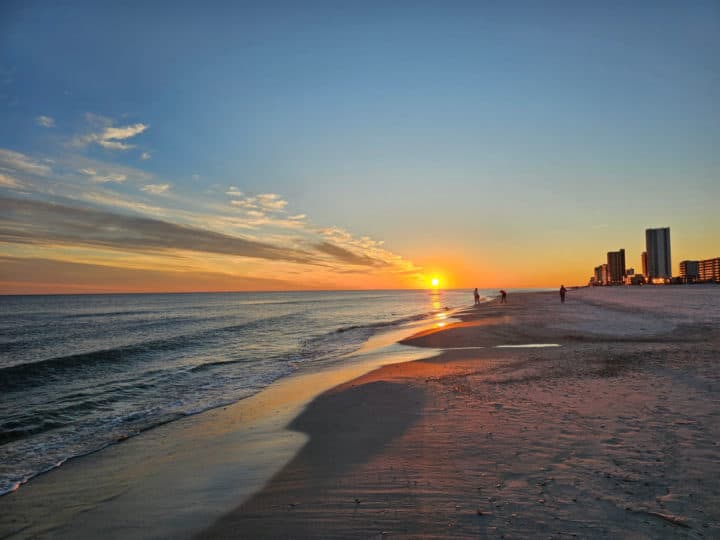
x: 503, y: 297
x: 476, y: 294
x: 563, y: 290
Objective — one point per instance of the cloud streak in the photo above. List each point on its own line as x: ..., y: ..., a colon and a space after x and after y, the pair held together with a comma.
x: 155, y: 189
x: 45, y: 121
x: 39, y: 223
x: 348, y: 256
x: 9, y: 182
x: 15, y: 161
x: 36, y: 222
x: 97, y: 178
x: 264, y: 202
x: 110, y: 137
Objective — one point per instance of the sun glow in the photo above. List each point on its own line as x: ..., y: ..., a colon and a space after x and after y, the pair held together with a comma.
x: 435, y: 282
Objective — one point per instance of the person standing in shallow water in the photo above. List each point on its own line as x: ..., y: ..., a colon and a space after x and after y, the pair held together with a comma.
x: 563, y: 290
x: 503, y: 297
x: 476, y: 294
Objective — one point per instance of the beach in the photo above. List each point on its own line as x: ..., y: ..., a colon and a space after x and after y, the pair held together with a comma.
x: 612, y: 434
x: 596, y: 418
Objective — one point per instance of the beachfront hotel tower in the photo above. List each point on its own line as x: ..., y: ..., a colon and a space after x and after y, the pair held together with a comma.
x: 643, y: 260
x: 700, y: 271
x: 689, y: 270
x: 657, y: 246
x: 616, y: 266
x: 709, y: 269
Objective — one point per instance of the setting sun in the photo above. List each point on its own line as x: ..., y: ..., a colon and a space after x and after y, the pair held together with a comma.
x: 435, y: 282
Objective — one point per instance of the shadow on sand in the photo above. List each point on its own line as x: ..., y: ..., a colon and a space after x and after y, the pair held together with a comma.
x: 346, y: 426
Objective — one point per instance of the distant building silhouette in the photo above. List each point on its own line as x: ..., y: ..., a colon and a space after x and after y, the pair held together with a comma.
x: 631, y: 278
x: 604, y: 275
x: 709, y: 269
x: 643, y: 259
x: 657, y: 245
x: 700, y: 271
x: 616, y: 267
x: 689, y: 270
x: 598, y: 276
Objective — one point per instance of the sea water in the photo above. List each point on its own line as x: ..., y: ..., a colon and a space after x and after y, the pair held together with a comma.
x: 80, y: 372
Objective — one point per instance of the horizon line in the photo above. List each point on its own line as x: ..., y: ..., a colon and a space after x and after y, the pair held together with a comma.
x: 427, y: 289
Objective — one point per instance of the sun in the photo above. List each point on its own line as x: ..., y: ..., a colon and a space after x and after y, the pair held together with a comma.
x: 435, y: 282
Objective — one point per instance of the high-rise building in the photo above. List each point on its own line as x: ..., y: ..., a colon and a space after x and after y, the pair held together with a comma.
x: 689, y: 270
x: 598, y: 275
x: 604, y: 274
x: 643, y: 259
x: 657, y: 245
x: 616, y: 266
x: 709, y: 269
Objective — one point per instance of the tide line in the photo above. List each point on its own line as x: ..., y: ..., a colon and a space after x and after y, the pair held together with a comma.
x: 522, y: 346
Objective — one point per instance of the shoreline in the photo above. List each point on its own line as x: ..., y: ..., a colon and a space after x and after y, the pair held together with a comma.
x: 95, y: 491
x: 383, y: 338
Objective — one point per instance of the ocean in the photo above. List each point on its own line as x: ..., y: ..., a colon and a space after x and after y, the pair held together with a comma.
x: 81, y: 372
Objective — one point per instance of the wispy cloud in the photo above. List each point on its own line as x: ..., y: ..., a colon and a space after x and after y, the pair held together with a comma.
x: 38, y: 223
x: 348, y: 256
x: 109, y: 136
x: 9, y: 182
x: 264, y: 202
x: 271, y: 201
x: 45, y: 121
x: 114, y: 201
x: 145, y: 156
x: 103, y: 178
x: 15, y: 161
x: 155, y: 189
x: 366, y: 249
x: 35, y: 222
x: 70, y: 165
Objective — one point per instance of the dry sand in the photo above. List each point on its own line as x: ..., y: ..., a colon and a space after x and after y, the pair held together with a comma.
x: 613, y: 434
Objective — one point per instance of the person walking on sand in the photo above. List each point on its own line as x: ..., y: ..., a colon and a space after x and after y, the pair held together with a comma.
x: 563, y: 290
x: 476, y: 294
x: 503, y: 297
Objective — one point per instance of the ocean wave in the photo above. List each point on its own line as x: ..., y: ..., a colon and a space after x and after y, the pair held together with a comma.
x: 383, y: 324
x: 14, y: 430
x: 67, y: 445
x: 123, y: 313
x: 221, y: 363
x: 40, y: 372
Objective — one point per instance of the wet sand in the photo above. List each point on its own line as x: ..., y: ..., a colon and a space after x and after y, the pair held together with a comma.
x: 614, y: 433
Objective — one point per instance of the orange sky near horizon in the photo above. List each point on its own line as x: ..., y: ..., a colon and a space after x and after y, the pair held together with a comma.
x: 49, y: 264
x: 38, y: 275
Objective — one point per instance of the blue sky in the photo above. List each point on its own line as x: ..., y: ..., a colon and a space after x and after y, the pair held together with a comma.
x: 449, y: 130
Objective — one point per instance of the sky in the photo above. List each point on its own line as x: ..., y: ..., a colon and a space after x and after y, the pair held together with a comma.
x: 212, y: 146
